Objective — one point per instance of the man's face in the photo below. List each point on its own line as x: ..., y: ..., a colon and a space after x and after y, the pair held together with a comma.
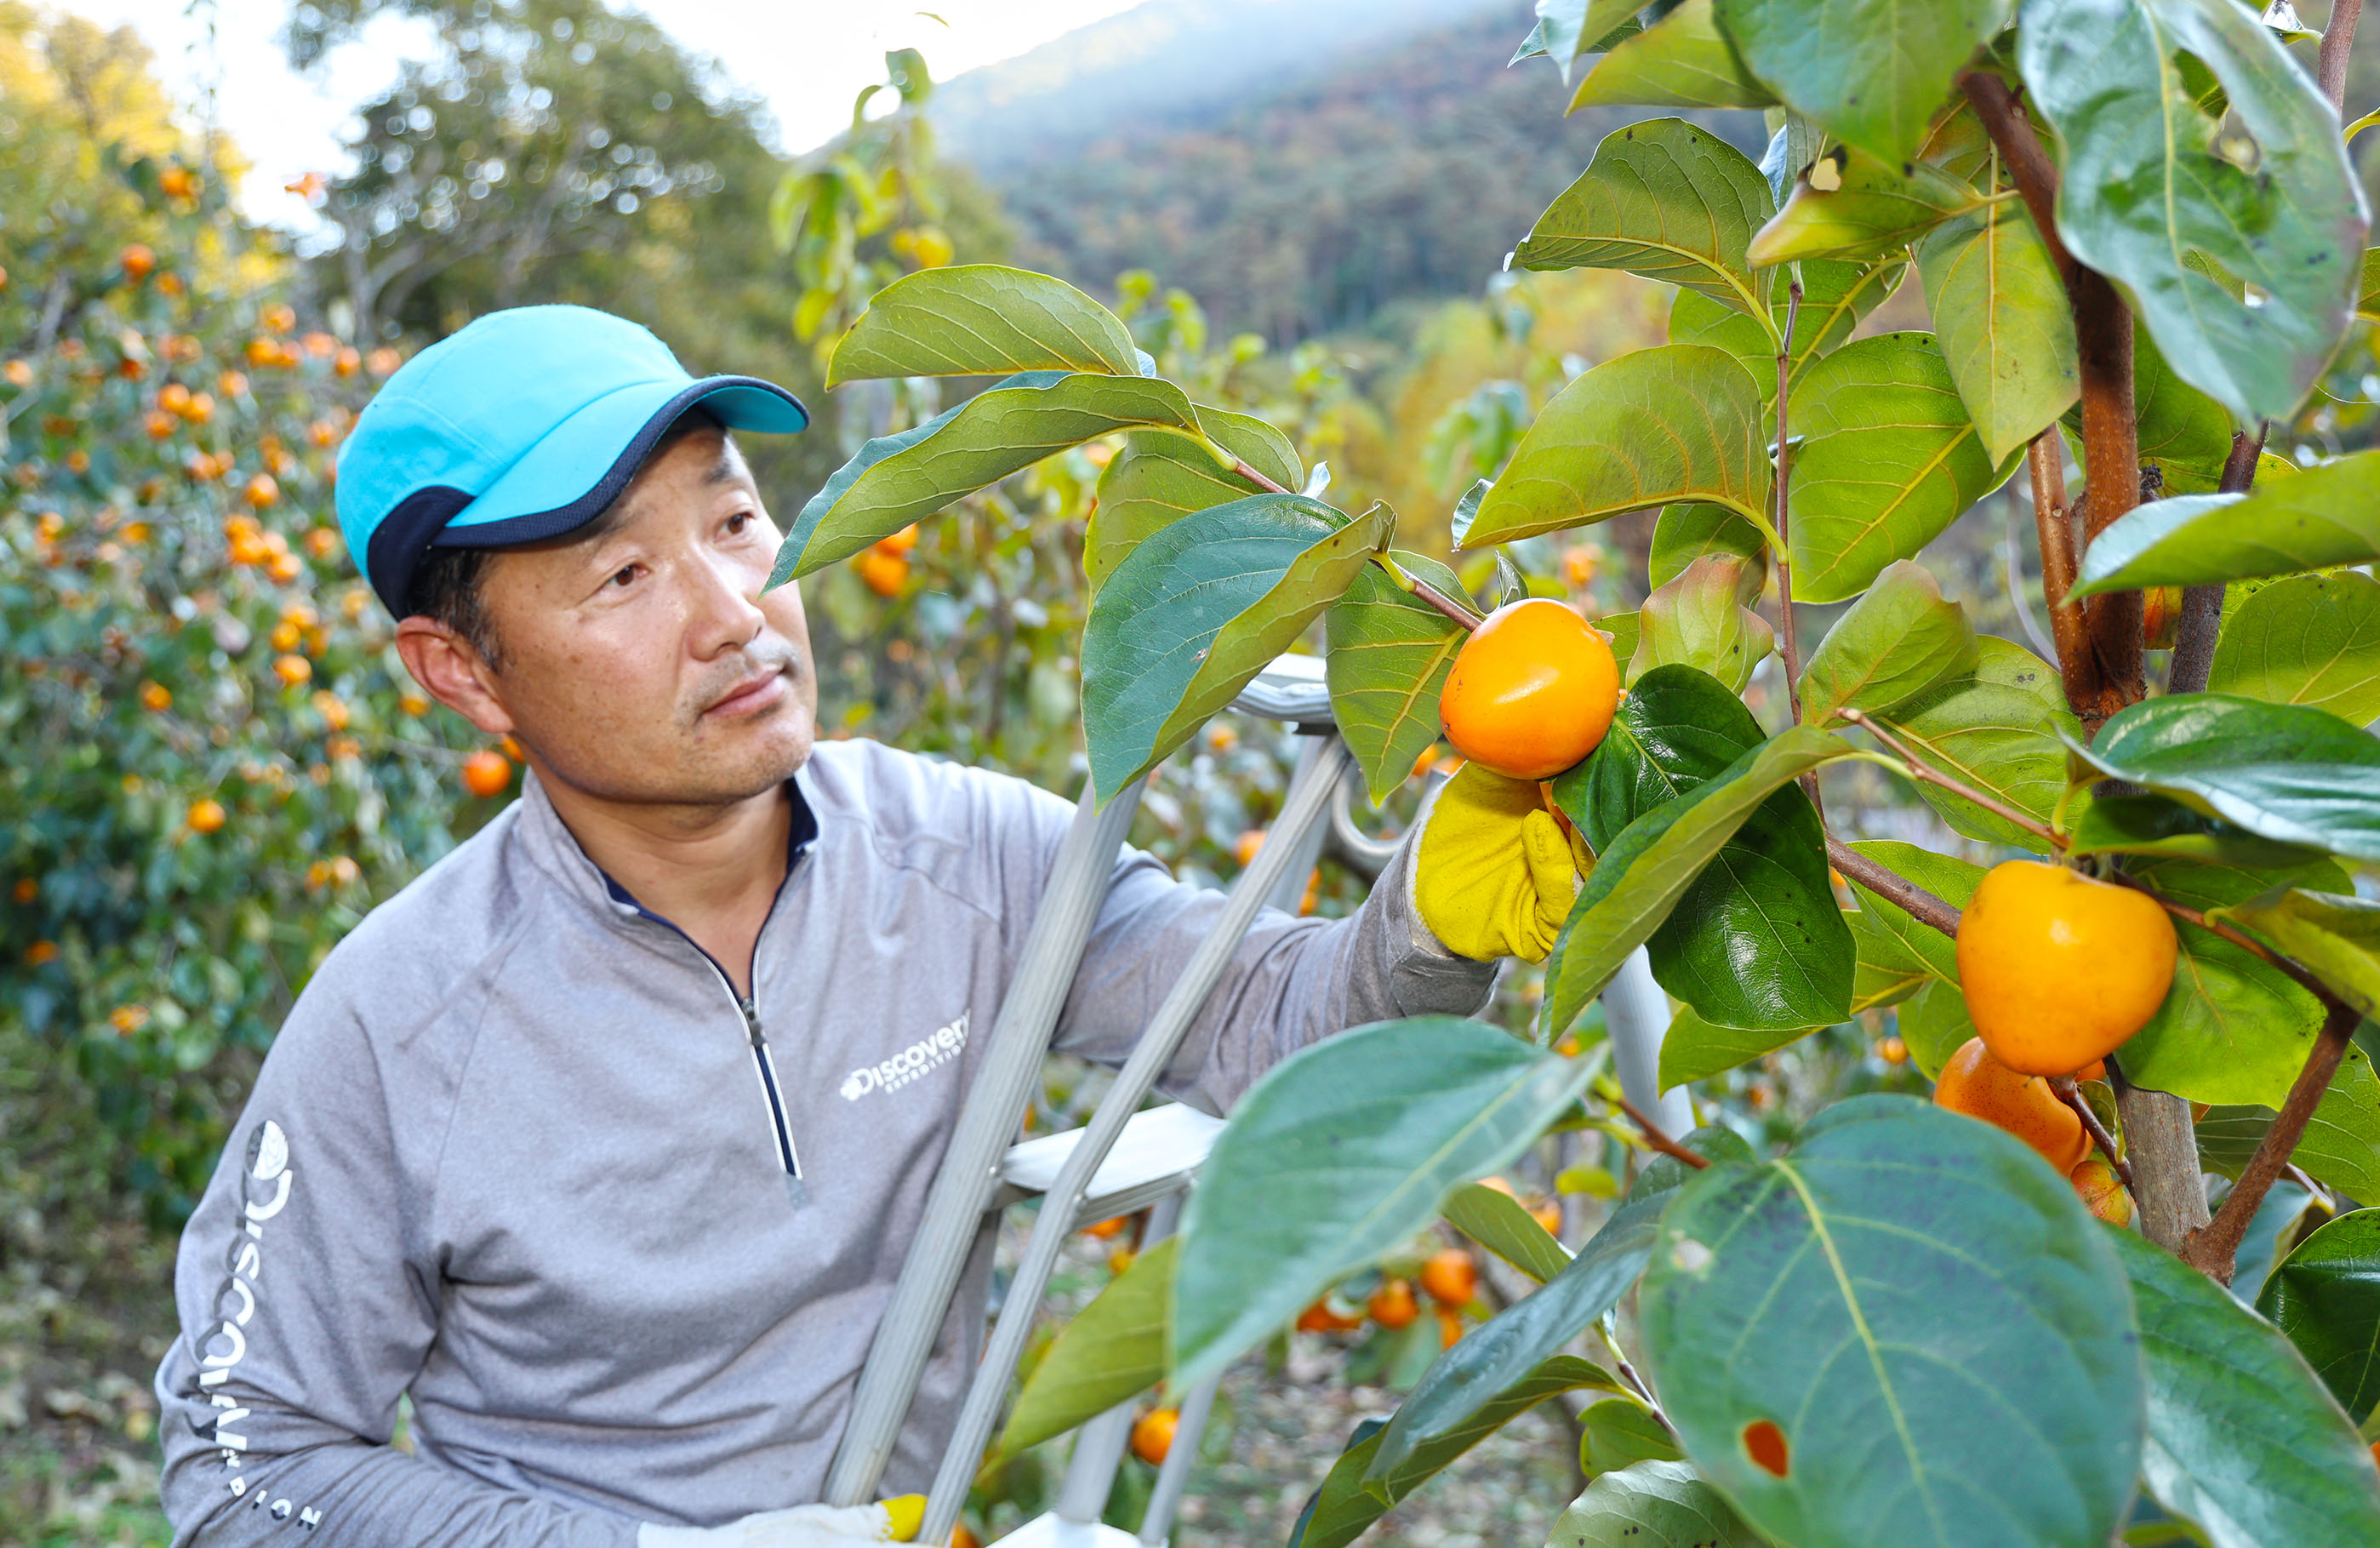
x: 644, y: 664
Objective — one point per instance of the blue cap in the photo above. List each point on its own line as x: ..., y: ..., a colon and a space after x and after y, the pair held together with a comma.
x: 525, y: 425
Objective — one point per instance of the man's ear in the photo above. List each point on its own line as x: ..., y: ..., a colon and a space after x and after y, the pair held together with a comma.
x: 451, y: 670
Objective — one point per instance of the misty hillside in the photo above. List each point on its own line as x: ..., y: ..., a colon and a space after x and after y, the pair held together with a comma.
x: 1302, y: 187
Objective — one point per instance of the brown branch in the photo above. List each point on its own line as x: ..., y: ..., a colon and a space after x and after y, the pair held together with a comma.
x: 1925, y: 773
x: 2071, y: 1094
x: 1894, y: 888
x: 2337, y: 37
x: 1659, y: 1138
x: 2202, y: 607
x: 2164, y: 1160
x: 2214, y: 1247
x: 2054, y: 527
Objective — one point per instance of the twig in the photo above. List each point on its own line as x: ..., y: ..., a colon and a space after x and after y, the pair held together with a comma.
x: 2202, y: 607
x: 1926, y: 774
x: 1628, y: 1373
x: 1659, y: 1138
x: 1453, y: 610
x: 2071, y: 1094
x: 2337, y: 37
x: 2214, y: 1247
x: 1893, y: 887
x: 2054, y: 530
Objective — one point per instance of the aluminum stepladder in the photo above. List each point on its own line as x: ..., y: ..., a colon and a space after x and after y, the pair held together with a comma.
x: 1124, y: 1158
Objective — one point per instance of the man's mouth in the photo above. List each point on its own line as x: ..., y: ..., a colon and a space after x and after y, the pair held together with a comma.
x: 761, y: 692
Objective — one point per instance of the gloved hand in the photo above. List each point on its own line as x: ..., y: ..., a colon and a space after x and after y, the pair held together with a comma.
x: 1496, y: 871
x: 803, y: 1525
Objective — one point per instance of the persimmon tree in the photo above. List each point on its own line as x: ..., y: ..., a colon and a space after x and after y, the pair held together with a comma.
x: 2138, y: 237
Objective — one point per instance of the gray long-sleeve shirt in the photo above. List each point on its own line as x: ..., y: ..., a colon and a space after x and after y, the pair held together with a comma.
x: 520, y: 1152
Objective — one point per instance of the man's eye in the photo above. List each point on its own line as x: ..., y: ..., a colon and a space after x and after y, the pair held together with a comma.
x: 624, y: 576
x: 739, y: 523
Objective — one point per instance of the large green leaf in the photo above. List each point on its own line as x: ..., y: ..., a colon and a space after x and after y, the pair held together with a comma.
x: 1934, y: 1025
x: 1157, y: 478
x: 2146, y: 825
x: 2184, y: 435
x: 1697, y: 620
x: 1338, y: 1154
x: 980, y: 320
x: 1665, y: 200
x: 2233, y: 1028
x: 1757, y: 939
x: 2325, y: 1296
x: 1504, y: 1225
x: 2153, y: 194
x: 1198, y: 609
x: 2242, y: 1439
x: 1114, y: 1347
x: 1835, y: 298
x: 2001, y: 317
x: 1682, y: 60
x: 1922, y: 1312
x: 1890, y: 460
x: 2337, y: 938
x: 896, y: 480
x: 1675, y: 424
x: 1873, y: 209
x: 1492, y: 1356
x: 2340, y: 1147
x: 1899, y: 639
x: 1349, y: 1502
x: 1651, y: 866
x: 1652, y: 1505
x: 1901, y: 940
x: 1389, y: 654
x: 1871, y: 72
x: 2309, y: 639
x: 2321, y: 518
x: 1696, y: 1049
x: 2285, y: 771
x: 1685, y: 533
x: 1995, y: 734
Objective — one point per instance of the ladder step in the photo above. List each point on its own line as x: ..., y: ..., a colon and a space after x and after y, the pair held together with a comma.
x: 1157, y: 1154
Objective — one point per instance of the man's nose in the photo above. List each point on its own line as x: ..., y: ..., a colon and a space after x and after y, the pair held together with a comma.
x: 723, y: 607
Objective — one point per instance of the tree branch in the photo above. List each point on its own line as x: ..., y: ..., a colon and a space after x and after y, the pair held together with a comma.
x: 2071, y: 1094
x: 2054, y: 528
x: 1658, y: 1138
x: 1894, y: 888
x: 2202, y: 607
x: 2214, y: 1249
x: 2337, y: 37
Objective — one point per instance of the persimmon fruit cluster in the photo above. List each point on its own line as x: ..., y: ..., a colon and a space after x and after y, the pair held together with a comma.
x: 1531, y: 691
x: 2058, y: 968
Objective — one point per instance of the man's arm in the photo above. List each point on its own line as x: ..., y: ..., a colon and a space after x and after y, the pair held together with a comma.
x: 307, y: 1307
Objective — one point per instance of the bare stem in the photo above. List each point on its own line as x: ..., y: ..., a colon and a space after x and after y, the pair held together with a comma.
x: 1926, y: 774
x: 2054, y: 530
x: 2214, y: 1249
x: 2202, y: 607
x: 1239, y: 466
x: 2071, y: 1094
x: 2337, y: 37
x: 1658, y: 1138
x: 1894, y: 888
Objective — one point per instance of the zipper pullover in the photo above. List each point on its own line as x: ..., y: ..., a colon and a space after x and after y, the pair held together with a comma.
x: 504, y: 1157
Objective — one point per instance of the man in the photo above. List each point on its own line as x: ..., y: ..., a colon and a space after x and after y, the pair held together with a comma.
x: 562, y: 1140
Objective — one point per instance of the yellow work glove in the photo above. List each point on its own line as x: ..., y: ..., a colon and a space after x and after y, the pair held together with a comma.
x: 1496, y: 873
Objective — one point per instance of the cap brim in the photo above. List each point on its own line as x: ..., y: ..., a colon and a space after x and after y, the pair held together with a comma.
x: 578, y: 467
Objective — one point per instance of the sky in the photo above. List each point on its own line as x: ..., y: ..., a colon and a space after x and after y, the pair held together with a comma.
x: 809, y: 58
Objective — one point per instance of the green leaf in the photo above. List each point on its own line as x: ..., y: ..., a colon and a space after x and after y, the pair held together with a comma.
x: 1695, y: 1049
x: 2002, y: 320
x: 1680, y: 423
x: 1901, y: 940
x: 1683, y: 533
x: 1697, y: 621
x: 2153, y: 195
x: 2003, y: 740
x: 2160, y: 825
x: 1667, y: 200
x: 1756, y: 940
x: 1503, y: 1351
x: 1835, y: 298
x: 1347, y: 1504
x: 2242, y: 1439
x: 1114, y: 1347
x: 2185, y: 434
x: 1197, y: 610
x: 899, y: 478
x: 1872, y: 209
x: 1890, y: 460
x: 1338, y: 1154
x: 980, y: 320
x: 1933, y: 1382
x: 1934, y: 1025
x: 1624, y: 629
x: 2309, y: 639
x: 2233, y: 1028
x: 1872, y: 72
x: 2340, y: 1147
x: 2291, y: 774
x: 1898, y: 640
x: 1500, y: 1223
x: 1157, y: 478
x: 1652, y: 1505
x: 1567, y: 30
x: 2322, y: 518
x: 1620, y: 1432
x: 1680, y: 61
x: 1641, y: 878
x: 1388, y: 657
x: 2332, y: 936
x: 2325, y: 1296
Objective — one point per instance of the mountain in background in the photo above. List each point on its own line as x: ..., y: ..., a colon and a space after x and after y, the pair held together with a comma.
x: 1297, y: 164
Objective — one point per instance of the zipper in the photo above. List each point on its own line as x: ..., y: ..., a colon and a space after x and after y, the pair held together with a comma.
x: 768, y: 1067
